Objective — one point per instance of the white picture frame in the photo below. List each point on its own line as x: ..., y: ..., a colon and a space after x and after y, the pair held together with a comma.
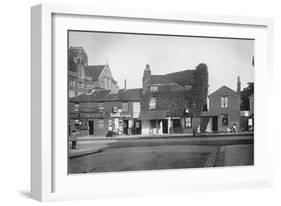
x: 49, y: 180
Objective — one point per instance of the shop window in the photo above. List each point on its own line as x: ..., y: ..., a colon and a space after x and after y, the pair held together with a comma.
x: 152, y: 103
x: 154, y: 88
x: 250, y: 122
x: 188, y: 122
x: 101, y: 107
x: 225, y: 120
x: 137, y: 124
x: 224, y: 102
x: 125, y: 107
x: 101, y: 123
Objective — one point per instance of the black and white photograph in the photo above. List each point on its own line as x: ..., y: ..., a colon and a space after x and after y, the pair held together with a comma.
x: 140, y: 102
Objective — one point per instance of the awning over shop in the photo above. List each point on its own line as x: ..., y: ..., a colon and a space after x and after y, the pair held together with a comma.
x: 152, y: 115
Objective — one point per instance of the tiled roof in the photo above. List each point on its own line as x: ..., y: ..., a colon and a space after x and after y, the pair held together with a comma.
x: 224, y: 88
x: 129, y: 94
x: 94, y: 71
x: 104, y: 95
x: 94, y: 97
x: 183, y: 78
x: 161, y: 79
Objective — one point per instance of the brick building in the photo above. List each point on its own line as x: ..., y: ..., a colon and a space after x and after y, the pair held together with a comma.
x: 172, y: 103
x: 101, y: 111
x: 224, y: 109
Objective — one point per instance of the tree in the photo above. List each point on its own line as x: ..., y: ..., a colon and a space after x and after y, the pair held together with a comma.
x: 199, y: 89
x: 245, y: 94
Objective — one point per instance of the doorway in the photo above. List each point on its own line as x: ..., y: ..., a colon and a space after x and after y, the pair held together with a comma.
x: 215, y: 124
x: 126, y: 127
x: 165, y: 126
x: 91, y: 127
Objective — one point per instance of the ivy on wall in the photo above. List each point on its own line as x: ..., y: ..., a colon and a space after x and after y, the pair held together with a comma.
x: 199, y: 90
x: 177, y: 101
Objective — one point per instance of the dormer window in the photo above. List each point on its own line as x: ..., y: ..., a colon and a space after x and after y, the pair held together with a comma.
x: 154, y: 88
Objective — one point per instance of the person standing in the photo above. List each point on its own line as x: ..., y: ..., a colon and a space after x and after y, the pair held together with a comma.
x: 74, y: 139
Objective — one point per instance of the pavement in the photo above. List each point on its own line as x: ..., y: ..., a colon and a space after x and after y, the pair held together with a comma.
x: 91, y: 144
x: 92, y: 137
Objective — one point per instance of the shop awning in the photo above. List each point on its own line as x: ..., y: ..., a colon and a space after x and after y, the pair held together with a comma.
x: 153, y: 115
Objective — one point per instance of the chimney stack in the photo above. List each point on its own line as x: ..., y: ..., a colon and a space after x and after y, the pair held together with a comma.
x: 238, y: 85
x: 145, y: 78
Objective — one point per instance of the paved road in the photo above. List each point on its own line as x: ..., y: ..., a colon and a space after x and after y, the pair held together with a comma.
x: 166, y: 153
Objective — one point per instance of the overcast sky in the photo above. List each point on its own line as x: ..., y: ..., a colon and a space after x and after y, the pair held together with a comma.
x: 127, y: 55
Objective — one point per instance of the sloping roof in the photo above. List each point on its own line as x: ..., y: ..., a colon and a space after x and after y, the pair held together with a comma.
x: 183, y: 78
x: 105, y: 95
x: 224, y: 88
x: 94, y: 71
x: 129, y: 95
x: 161, y: 79
x: 94, y: 97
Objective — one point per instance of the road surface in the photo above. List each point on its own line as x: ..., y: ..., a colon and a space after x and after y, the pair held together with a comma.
x: 164, y: 153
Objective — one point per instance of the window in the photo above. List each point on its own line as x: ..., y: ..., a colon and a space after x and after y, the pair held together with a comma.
x: 125, y: 107
x: 101, y: 107
x: 153, y: 124
x: 224, y: 102
x: 152, y: 103
x: 114, y: 109
x: 224, y: 119
x: 72, y: 83
x: 153, y: 88
x: 109, y: 83
x: 187, y: 87
x: 105, y: 83
x: 101, y: 123
x: 76, y: 107
x: 188, y: 122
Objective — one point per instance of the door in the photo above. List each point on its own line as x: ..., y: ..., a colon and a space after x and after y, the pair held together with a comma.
x: 165, y: 126
x: 215, y: 124
x: 91, y: 127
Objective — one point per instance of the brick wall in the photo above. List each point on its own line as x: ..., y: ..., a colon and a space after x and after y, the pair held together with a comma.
x: 232, y: 110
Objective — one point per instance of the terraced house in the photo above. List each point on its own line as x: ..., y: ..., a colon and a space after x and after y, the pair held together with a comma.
x: 101, y: 112
x: 173, y: 103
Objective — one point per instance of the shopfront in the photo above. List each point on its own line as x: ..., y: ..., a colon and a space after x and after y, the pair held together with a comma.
x: 155, y: 122
x: 123, y: 123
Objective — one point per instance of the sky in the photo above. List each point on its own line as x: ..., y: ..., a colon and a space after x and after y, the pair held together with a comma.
x: 127, y: 55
